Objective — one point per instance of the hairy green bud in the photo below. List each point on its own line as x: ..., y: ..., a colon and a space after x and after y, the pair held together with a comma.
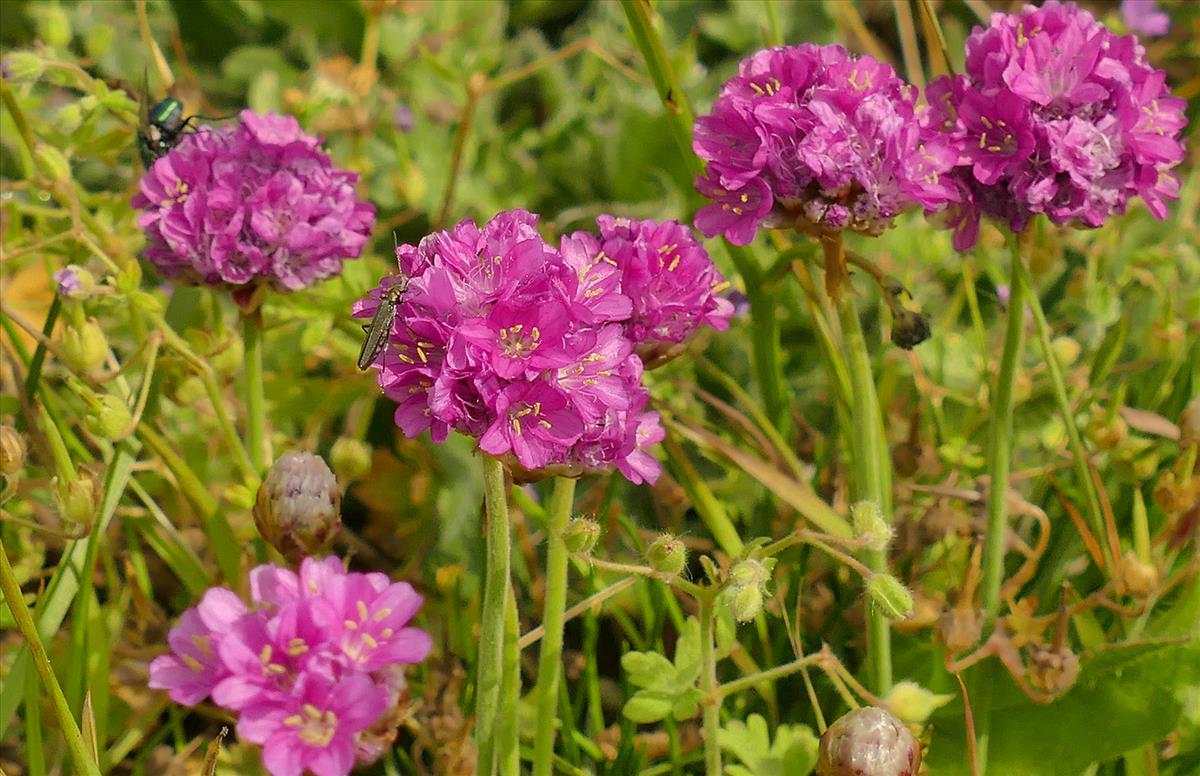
x: 108, y: 418
x: 913, y: 703
x: 51, y: 162
x: 892, y: 598
x: 744, y: 601
x: 749, y: 573
x: 23, y: 66
x: 667, y: 555
x: 79, y: 498
x: 351, y: 459
x: 869, y: 525
x: 84, y: 348
x: 581, y: 535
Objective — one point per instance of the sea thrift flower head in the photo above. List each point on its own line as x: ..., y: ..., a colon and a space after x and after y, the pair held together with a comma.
x: 1056, y: 116
x: 313, y: 667
x: 249, y: 205
x: 526, y: 348
x: 813, y: 138
x: 1145, y: 17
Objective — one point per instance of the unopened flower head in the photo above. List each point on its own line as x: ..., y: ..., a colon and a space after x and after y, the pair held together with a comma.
x: 813, y: 138
x: 311, y: 667
x: 1055, y: 115
x: 253, y: 203
x: 500, y: 338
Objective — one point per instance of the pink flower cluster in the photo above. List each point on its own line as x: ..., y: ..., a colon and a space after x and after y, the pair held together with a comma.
x: 254, y: 203
x: 313, y: 667
x: 532, y: 350
x: 812, y: 138
x: 1055, y: 115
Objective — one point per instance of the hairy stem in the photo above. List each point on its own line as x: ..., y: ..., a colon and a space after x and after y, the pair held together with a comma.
x: 256, y: 413
x: 708, y: 688
x: 490, y: 668
x: 550, y: 657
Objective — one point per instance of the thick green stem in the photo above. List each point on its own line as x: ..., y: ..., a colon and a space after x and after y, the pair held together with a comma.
x: 550, y: 656
x: 84, y: 763
x: 1078, y: 453
x: 872, y: 469
x: 256, y: 412
x: 1000, y: 438
x: 490, y: 667
x: 508, y: 751
x: 708, y: 688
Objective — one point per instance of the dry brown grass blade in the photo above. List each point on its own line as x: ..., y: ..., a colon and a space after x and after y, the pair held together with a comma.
x: 793, y: 492
x: 213, y: 751
x: 969, y: 718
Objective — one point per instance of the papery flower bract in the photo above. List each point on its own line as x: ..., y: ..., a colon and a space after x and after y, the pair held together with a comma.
x: 813, y: 138
x: 256, y: 203
x: 313, y: 668
x: 1056, y: 116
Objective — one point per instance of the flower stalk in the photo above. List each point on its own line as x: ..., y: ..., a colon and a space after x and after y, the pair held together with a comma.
x: 550, y: 656
x: 1000, y: 436
x: 256, y: 413
x: 490, y: 664
x: 708, y: 687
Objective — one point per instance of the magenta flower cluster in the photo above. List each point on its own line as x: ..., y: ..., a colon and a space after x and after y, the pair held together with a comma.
x: 1055, y: 115
x: 812, y: 138
x: 313, y: 667
x: 252, y: 203
x: 532, y: 350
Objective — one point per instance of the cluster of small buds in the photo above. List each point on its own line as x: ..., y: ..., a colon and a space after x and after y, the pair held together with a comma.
x: 533, y: 350
x: 312, y: 667
x: 250, y: 204
x: 747, y: 587
x: 812, y: 138
x: 1055, y: 115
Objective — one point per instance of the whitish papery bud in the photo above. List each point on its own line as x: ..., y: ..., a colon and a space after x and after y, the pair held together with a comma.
x: 12, y: 451
x: 667, y: 555
x: 351, y: 459
x: 869, y: 525
x: 868, y: 742
x: 581, y: 535
x: 84, y: 348
x: 298, y: 508
x: 1141, y: 579
x: 79, y: 498
x: 892, y: 598
x: 108, y: 418
x: 913, y: 703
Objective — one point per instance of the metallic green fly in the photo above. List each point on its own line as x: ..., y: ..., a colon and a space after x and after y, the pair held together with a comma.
x: 380, y: 327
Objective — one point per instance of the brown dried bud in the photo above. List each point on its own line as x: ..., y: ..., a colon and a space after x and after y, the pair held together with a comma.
x: 1141, y: 579
x: 1053, y: 671
x: 868, y: 742
x: 959, y: 629
x: 298, y: 508
x: 12, y: 451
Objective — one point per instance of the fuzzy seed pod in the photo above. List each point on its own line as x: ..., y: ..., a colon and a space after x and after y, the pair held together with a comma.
x: 667, y: 555
x: 745, y: 602
x: 869, y: 525
x: 12, y: 451
x: 298, y: 508
x: 79, y: 498
x: 891, y: 596
x: 108, y: 418
x: 868, y: 742
x: 581, y: 535
x: 85, y: 348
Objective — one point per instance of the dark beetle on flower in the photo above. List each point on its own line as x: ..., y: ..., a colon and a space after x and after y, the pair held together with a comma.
x: 381, y: 323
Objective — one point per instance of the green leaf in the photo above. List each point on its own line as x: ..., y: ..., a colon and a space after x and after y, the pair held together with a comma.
x: 687, y: 705
x: 648, y: 669
x: 647, y: 706
x: 1122, y: 701
x: 792, y: 753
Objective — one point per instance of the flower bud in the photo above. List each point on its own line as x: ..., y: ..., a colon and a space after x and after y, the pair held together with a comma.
x: 892, y: 598
x: 909, y: 328
x: 1053, y: 671
x: 667, y: 555
x: 51, y: 162
x: 913, y: 703
x: 581, y: 535
x: 79, y: 499
x: 1140, y: 578
x: 108, y: 418
x: 749, y: 573
x: 84, y: 348
x: 868, y: 741
x: 744, y: 601
x: 53, y: 25
x: 869, y: 525
x: 1066, y: 350
x: 188, y: 390
x: 23, y: 66
x: 351, y: 459
x: 74, y: 282
x: 12, y: 451
x: 298, y: 508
